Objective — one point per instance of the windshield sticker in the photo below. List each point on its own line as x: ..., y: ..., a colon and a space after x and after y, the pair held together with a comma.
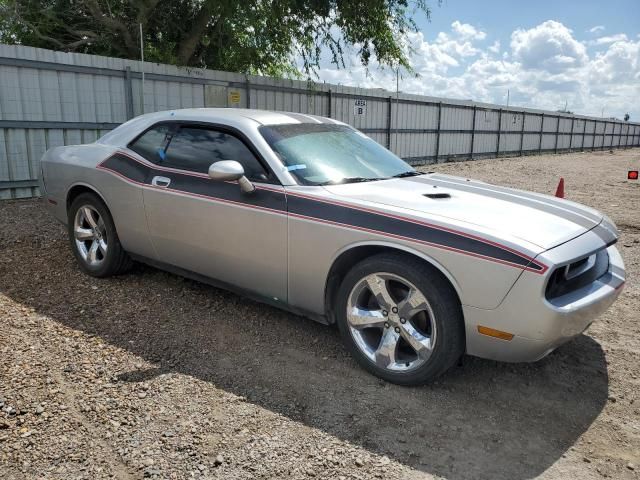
x: 291, y: 168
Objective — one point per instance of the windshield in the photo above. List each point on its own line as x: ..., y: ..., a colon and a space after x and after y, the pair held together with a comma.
x: 324, y: 154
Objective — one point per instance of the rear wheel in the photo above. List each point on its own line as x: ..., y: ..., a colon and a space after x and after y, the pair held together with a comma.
x: 93, y: 237
x: 401, y: 320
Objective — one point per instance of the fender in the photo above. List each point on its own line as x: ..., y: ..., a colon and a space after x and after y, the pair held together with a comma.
x: 394, y: 246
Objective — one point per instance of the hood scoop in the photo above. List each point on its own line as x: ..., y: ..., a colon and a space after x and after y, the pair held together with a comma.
x: 437, y: 196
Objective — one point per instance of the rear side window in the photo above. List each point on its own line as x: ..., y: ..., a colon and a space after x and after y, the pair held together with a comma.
x: 153, y: 143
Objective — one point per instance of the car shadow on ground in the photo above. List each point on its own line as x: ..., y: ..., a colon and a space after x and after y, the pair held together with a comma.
x: 513, y: 420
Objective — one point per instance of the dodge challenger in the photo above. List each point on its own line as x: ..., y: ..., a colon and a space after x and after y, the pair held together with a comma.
x: 309, y: 214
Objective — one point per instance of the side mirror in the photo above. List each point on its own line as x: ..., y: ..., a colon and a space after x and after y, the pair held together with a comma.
x: 230, y: 171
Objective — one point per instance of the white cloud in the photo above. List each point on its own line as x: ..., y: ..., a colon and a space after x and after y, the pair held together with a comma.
x: 467, y: 31
x: 542, y: 68
x: 596, y: 29
x: 619, y: 37
x: 619, y: 64
x: 549, y: 46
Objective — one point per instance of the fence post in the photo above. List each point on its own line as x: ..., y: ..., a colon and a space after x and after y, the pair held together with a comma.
x: 626, y: 138
x: 438, y: 131
x: 573, y: 121
x: 524, y: 120
x: 584, y: 129
x: 555, y: 149
x: 128, y: 92
x: 330, y: 100
x: 541, y: 132
x: 499, y: 131
x: 613, y: 134
x: 248, y: 88
x: 473, y: 131
x: 389, y: 104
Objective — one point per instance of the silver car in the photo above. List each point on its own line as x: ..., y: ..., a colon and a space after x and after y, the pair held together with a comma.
x: 310, y: 215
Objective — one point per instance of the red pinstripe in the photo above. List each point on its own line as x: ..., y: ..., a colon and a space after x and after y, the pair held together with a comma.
x: 544, y: 268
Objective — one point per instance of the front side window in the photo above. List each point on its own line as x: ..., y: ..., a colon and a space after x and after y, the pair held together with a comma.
x: 195, y: 148
x: 324, y: 154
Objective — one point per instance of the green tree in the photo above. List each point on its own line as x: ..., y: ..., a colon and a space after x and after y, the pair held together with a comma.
x: 259, y: 36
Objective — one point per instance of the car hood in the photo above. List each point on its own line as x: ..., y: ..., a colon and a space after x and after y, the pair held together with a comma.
x: 537, y: 219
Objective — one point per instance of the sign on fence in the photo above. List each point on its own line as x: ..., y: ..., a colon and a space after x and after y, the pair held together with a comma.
x: 360, y: 106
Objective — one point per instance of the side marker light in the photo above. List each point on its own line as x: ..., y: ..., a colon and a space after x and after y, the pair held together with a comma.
x: 490, y: 332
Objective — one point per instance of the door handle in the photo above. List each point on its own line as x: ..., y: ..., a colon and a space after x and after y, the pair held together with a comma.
x: 160, y: 181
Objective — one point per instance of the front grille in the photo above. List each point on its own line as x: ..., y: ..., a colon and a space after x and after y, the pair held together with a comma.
x: 582, y: 272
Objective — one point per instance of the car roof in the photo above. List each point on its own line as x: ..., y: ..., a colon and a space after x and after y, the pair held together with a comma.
x: 262, y: 117
x: 238, y: 117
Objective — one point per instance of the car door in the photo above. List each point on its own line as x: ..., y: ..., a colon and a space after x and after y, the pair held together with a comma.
x: 210, y: 227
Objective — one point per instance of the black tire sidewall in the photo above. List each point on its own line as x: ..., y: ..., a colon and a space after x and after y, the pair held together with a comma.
x: 444, y: 303
x: 114, y: 250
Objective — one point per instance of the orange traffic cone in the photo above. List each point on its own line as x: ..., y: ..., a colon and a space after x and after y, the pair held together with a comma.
x: 560, y: 189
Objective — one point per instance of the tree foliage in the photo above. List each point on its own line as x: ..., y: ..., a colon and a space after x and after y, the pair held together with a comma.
x: 271, y: 37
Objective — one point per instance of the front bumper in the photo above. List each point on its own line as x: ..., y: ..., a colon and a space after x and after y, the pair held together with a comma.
x: 539, y: 325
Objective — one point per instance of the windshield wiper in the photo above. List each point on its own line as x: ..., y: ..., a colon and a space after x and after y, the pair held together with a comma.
x: 351, y: 180
x: 410, y: 173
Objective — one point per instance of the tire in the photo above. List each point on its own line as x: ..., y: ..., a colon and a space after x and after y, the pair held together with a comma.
x: 372, y: 302
x: 93, y: 238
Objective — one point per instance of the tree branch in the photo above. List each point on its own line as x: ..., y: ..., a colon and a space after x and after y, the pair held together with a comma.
x: 190, y: 41
x: 112, y: 23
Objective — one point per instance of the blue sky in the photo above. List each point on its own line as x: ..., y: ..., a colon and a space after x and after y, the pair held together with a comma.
x: 545, y: 53
x: 500, y: 17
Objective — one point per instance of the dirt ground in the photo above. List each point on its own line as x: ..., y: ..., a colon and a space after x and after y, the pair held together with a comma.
x: 151, y: 375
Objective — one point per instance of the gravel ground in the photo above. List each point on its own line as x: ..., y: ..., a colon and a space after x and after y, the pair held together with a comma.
x: 151, y: 375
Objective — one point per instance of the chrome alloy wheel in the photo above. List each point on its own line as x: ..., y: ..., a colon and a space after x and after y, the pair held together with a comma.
x: 90, y: 235
x: 391, y: 322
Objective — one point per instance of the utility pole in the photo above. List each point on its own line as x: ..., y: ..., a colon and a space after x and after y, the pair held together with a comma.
x: 142, y: 71
x: 508, y: 97
x: 395, y: 143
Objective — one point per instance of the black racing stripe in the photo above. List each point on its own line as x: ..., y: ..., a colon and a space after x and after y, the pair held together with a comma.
x: 223, y: 191
x: 127, y: 167
x: 396, y: 226
x: 300, y: 118
x: 606, y: 235
x: 190, y: 184
x: 316, y: 209
x: 528, y: 199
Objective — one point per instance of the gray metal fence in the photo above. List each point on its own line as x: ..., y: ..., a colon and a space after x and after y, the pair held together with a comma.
x: 52, y: 98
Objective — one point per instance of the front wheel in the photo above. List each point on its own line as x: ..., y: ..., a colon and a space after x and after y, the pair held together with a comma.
x: 400, y: 319
x: 93, y: 238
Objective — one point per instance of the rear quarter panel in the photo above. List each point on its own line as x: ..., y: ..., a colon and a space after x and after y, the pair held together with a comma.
x: 64, y: 168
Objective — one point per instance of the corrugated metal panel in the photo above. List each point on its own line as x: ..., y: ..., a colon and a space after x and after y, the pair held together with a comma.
x: 484, y: 142
x: 99, y: 90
